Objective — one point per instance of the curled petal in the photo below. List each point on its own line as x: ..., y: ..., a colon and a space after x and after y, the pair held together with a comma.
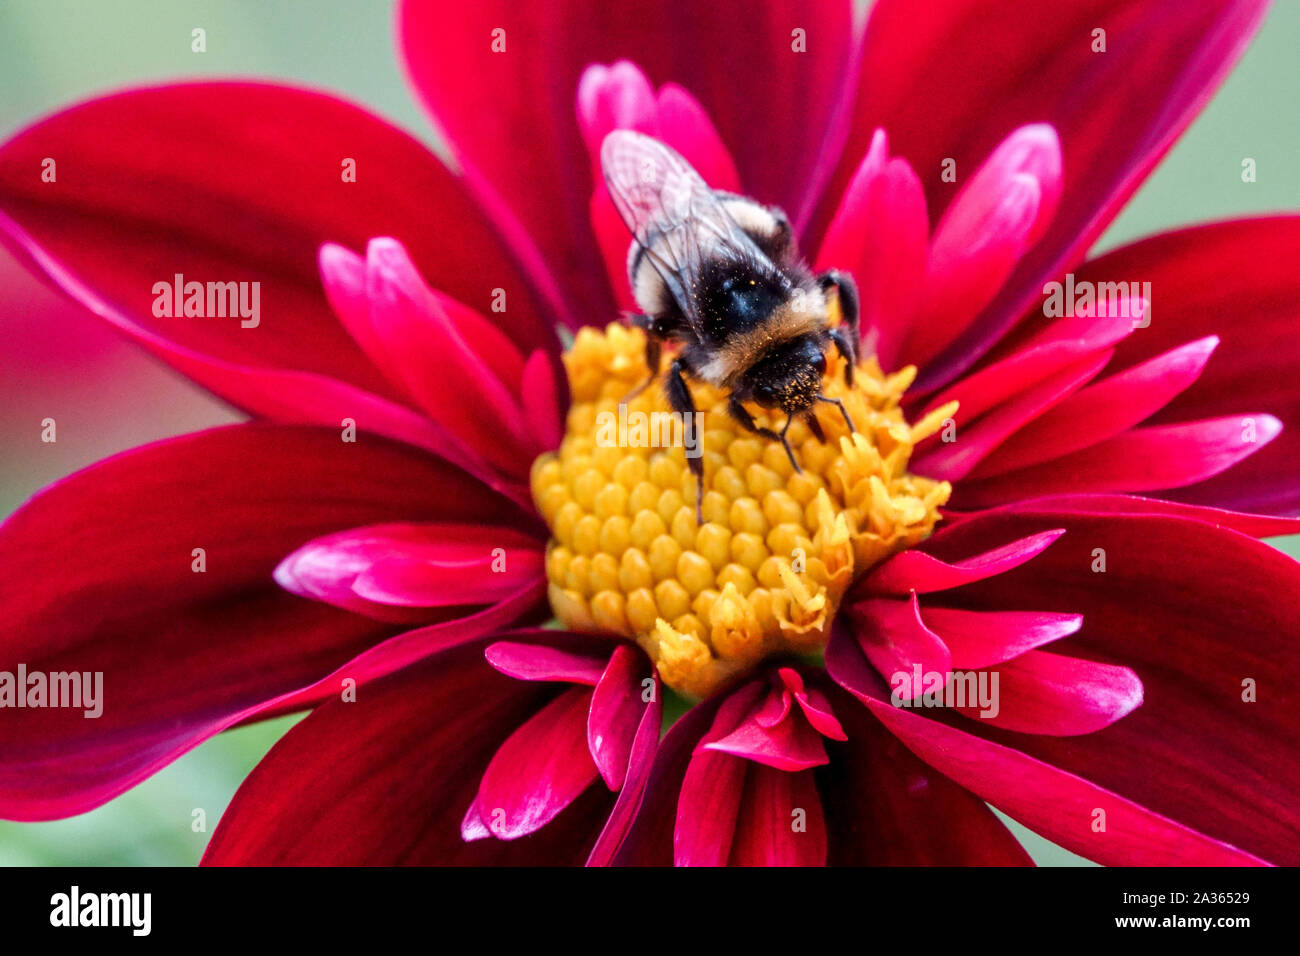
x: 922, y: 573
x: 377, y: 569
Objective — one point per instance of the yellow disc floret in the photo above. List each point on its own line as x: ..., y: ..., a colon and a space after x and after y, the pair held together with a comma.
x: 765, y: 571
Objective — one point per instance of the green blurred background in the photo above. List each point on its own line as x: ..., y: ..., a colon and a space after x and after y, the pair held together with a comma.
x: 107, y: 396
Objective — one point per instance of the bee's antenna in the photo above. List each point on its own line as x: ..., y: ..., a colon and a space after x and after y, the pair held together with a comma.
x: 838, y: 403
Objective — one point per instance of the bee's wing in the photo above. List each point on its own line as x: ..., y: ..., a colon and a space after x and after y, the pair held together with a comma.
x: 672, y: 213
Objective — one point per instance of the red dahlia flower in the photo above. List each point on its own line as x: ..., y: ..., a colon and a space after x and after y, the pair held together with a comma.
x: 426, y: 482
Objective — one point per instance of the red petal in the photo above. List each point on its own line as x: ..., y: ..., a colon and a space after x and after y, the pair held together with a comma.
x: 385, y: 780
x: 105, y: 561
x: 1194, y: 610
x: 546, y: 662
x: 640, y: 764
x: 816, y: 708
x: 1059, y: 347
x: 780, y: 820
x: 1236, y: 280
x: 1057, y: 804
x: 951, y: 78
x: 792, y: 744
x: 649, y: 839
x: 886, y: 807
x: 514, y: 127
x: 1256, y: 526
x: 712, y: 787
x: 955, y: 460
x: 242, y: 182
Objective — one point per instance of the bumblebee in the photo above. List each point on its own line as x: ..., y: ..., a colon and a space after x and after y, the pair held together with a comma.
x: 718, y: 277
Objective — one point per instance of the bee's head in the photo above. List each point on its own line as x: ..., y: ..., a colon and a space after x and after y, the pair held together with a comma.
x: 789, y: 377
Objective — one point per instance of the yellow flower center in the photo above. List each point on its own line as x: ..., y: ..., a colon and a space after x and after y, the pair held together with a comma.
x: 764, y: 573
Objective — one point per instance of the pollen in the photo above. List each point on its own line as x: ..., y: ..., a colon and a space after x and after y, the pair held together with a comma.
x: 763, y: 574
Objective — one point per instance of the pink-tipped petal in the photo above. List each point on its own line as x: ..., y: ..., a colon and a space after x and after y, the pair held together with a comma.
x: 879, y: 236
x: 1057, y: 349
x: 995, y: 217
x: 376, y: 569
x: 1144, y: 459
x: 1102, y: 410
x: 243, y: 182
x: 426, y: 338
x: 954, y: 460
x: 977, y: 71
x: 621, y: 97
x: 171, y: 596
x: 897, y: 642
x: 618, y: 96
x: 617, y: 707
x: 1236, y: 280
x: 984, y: 638
x: 545, y: 662
x: 384, y: 780
x: 1055, y: 803
x: 1043, y: 693
x: 540, y: 769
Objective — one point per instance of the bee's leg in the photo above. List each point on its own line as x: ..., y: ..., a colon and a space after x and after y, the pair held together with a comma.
x: 814, y: 426
x: 741, y: 414
x: 844, y: 345
x: 847, y: 290
x: 679, y: 397
x: 653, y: 349
x: 838, y: 403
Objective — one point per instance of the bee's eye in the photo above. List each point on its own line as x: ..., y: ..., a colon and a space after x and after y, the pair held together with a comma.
x: 819, y: 363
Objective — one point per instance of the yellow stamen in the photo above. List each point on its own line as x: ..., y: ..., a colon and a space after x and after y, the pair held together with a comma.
x: 764, y: 573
